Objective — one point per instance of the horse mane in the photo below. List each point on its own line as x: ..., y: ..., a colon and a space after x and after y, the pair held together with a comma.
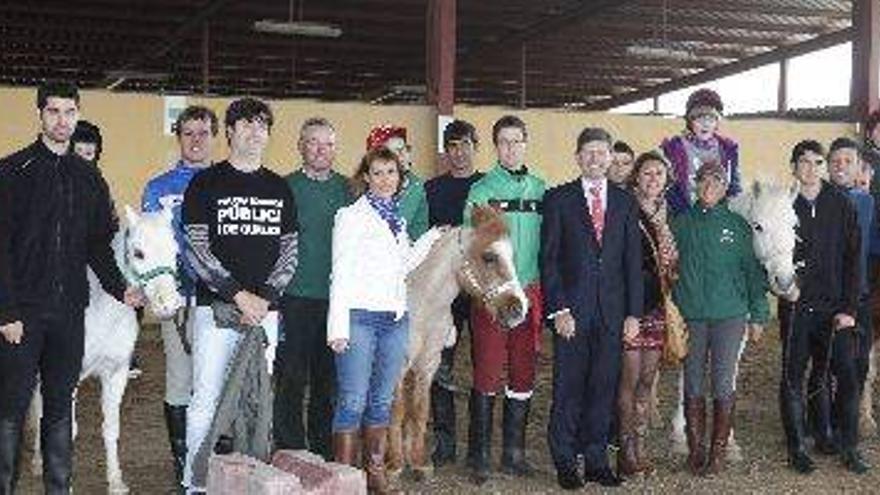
x: 489, y: 226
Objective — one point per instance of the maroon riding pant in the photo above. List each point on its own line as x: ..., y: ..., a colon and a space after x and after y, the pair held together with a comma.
x: 506, y: 357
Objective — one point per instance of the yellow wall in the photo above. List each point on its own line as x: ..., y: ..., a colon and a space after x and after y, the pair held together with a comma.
x: 136, y: 149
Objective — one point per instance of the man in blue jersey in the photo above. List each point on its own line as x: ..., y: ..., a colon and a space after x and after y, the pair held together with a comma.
x: 195, y: 128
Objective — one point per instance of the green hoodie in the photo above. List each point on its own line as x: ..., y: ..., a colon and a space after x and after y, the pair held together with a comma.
x: 520, y: 197
x: 719, y: 276
x: 414, y: 206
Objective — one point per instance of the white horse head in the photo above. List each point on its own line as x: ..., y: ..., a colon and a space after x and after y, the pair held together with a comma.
x: 769, y: 209
x: 150, y: 259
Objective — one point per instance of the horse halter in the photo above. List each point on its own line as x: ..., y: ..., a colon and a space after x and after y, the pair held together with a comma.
x: 467, y: 270
x: 141, y: 278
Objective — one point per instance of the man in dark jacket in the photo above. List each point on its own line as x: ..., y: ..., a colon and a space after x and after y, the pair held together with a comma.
x: 827, y: 253
x: 55, y: 220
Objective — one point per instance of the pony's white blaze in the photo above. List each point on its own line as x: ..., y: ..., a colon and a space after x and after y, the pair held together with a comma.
x: 504, y: 249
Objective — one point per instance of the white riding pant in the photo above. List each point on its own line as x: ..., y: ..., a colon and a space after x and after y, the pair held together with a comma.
x: 213, y: 347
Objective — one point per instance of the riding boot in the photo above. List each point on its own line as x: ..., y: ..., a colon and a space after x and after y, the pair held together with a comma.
x: 722, y: 420
x: 513, y: 449
x: 56, y: 442
x: 443, y: 414
x: 819, y: 416
x: 376, y: 444
x: 10, y: 447
x: 695, y: 429
x: 345, y: 447
x: 792, y: 410
x: 175, y: 421
x: 480, y: 436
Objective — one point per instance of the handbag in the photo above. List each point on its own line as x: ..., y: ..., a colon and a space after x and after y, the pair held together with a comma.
x: 675, y: 338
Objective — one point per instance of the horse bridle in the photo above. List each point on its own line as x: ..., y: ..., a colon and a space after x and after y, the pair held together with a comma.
x: 467, y: 270
x: 141, y: 278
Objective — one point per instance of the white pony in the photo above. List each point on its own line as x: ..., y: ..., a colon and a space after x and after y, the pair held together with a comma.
x: 146, y: 253
x: 769, y: 210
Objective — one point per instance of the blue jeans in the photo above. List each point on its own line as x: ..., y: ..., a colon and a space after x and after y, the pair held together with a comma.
x: 368, y: 371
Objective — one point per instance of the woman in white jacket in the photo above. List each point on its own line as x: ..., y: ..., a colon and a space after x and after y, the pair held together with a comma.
x: 367, y: 326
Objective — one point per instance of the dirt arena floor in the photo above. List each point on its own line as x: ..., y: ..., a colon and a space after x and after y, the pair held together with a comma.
x: 147, y: 468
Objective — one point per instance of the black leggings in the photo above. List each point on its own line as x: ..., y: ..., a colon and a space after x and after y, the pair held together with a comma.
x: 52, y: 346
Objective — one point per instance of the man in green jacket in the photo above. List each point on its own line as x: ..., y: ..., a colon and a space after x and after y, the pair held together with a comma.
x: 721, y: 288
x: 304, y: 361
x: 413, y: 200
x: 504, y: 360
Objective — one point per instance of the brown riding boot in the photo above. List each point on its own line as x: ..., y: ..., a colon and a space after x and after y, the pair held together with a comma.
x: 345, y: 447
x: 695, y: 428
x: 375, y: 446
x: 722, y: 418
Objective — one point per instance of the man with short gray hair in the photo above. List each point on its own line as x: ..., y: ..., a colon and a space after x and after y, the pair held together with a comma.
x: 304, y: 362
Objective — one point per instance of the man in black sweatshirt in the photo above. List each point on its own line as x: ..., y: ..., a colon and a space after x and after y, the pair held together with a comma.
x: 55, y: 218
x: 240, y: 224
x: 824, y: 317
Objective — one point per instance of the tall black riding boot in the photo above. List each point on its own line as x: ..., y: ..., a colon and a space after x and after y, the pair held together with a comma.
x: 480, y: 436
x: 792, y: 410
x: 57, y: 445
x: 513, y: 454
x: 443, y: 414
x: 175, y: 421
x: 819, y: 413
x: 10, y: 446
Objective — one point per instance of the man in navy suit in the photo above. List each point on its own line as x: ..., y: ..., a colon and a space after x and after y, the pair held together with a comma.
x: 591, y: 271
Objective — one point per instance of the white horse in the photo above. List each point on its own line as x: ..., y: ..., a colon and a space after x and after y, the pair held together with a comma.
x: 769, y: 210
x: 146, y: 253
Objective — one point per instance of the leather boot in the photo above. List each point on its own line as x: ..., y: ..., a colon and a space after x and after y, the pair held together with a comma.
x: 56, y: 442
x: 10, y: 447
x: 695, y: 429
x: 376, y: 444
x: 480, y: 436
x: 722, y: 419
x: 345, y: 447
x: 443, y: 414
x: 792, y: 410
x: 513, y: 451
x: 175, y: 421
x: 819, y: 415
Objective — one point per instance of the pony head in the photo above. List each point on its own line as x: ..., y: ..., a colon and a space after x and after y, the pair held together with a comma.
x: 487, y: 272
x: 150, y: 259
x: 769, y: 210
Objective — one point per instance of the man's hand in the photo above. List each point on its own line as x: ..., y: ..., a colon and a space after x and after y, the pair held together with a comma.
x: 253, y: 307
x: 12, y: 332
x: 339, y: 345
x: 630, y: 329
x: 564, y: 323
x: 754, y: 332
x: 843, y: 320
x: 134, y: 297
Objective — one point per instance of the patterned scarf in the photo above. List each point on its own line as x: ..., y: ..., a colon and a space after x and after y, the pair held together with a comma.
x: 388, y: 209
x: 667, y: 253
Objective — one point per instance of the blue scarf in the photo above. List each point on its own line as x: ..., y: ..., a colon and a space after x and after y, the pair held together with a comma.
x: 388, y: 209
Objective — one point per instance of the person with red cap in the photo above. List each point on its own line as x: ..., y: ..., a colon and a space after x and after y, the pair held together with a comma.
x: 413, y: 201
x: 700, y: 144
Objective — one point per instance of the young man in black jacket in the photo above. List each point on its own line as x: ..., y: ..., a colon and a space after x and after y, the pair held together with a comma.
x: 824, y: 317
x: 56, y: 219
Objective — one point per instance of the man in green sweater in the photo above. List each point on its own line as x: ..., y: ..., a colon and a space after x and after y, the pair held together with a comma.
x: 304, y: 361
x: 413, y: 200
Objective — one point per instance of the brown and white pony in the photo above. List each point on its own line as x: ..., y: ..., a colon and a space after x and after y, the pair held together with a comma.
x: 479, y: 261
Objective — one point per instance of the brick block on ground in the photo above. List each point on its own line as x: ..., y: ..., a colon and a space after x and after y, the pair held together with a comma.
x: 319, y: 477
x: 237, y: 474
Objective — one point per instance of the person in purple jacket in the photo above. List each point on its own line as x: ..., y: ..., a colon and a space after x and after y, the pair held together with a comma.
x: 196, y: 128
x: 700, y: 143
